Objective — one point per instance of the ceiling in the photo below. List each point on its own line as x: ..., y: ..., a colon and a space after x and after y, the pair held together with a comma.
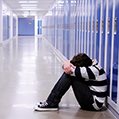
x: 39, y: 7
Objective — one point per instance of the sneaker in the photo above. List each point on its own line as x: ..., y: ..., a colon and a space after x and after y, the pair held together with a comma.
x: 44, y: 106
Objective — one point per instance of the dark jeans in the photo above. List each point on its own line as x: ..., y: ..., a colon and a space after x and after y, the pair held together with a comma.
x: 80, y: 89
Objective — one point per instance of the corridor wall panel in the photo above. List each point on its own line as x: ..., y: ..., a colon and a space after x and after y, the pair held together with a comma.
x: 6, y: 28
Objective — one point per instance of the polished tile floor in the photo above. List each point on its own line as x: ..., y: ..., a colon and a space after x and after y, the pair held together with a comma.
x: 28, y: 71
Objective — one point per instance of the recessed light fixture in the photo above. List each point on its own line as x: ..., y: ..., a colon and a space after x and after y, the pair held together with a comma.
x: 25, y: 2
x: 28, y: 8
x: 28, y: 5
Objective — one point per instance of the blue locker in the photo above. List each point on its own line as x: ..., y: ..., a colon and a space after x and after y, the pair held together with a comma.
x: 94, y: 29
x: 88, y: 28
x: 80, y: 25
x: 76, y: 28
x: 56, y: 28
x: 91, y: 29
x: 52, y: 25
x: 5, y: 27
x: 85, y: 21
x: 86, y: 40
x: 115, y: 53
x: 72, y: 28
x: 98, y: 28
x: 39, y: 26
x: 14, y: 26
x: 103, y: 28
x: 109, y: 30
x: 66, y: 37
x: 83, y: 24
x: 60, y: 29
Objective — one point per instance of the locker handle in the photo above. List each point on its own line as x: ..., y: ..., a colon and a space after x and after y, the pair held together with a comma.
x: 115, y: 25
x: 97, y: 26
x: 108, y: 26
x: 102, y: 25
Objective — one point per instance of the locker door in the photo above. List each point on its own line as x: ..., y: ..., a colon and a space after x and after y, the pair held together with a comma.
x: 52, y: 31
x: 117, y: 48
x: 66, y: 29
x: 56, y: 26
x: 64, y: 22
x: 59, y: 24
x: 91, y: 26
x: 61, y: 29
x: 93, y: 23
x: 77, y: 27
x: 85, y: 27
x: 102, y: 37
x: 98, y: 28
x: 87, y: 24
x: 82, y: 25
x: 115, y: 53
x: 72, y: 28
x: 95, y: 28
x: 39, y: 26
x: 108, y: 40
x: 88, y: 28
x: 14, y: 26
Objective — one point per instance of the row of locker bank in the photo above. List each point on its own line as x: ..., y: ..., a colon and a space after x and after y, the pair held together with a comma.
x: 90, y: 26
x: 73, y: 26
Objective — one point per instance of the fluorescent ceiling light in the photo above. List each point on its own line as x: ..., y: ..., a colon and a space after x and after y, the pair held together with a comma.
x: 26, y: 14
x: 28, y: 8
x: 60, y: 2
x: 73, y: 1
x: 28, y: 2
x: 33, y: 2
x: 28, y: 5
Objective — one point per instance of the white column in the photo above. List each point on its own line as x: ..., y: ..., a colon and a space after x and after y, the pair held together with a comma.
x: 36, y: 25
x: 1, y: 23
x: 11, y: 25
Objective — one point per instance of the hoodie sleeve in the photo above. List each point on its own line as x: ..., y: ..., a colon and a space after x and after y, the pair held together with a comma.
x: 89, y: 73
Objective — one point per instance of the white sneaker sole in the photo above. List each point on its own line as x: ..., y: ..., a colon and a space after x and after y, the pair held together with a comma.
x: 36, y: 108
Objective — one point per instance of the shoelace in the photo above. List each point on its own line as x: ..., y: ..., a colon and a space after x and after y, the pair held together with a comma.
x: 43, y: 104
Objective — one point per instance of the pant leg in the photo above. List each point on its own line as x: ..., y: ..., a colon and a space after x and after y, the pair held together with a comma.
x: 82, y: 94
x: 59, y: 89
x: 81, y: 91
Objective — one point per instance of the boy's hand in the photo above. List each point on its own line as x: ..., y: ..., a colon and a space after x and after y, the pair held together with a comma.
x: 68, y: 67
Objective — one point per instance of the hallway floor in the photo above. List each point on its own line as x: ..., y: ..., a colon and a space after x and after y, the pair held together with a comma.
x: 28, y: 71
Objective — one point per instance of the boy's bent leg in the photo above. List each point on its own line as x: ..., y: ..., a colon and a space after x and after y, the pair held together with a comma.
x: 82, y: 94
x: 59, y: 90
